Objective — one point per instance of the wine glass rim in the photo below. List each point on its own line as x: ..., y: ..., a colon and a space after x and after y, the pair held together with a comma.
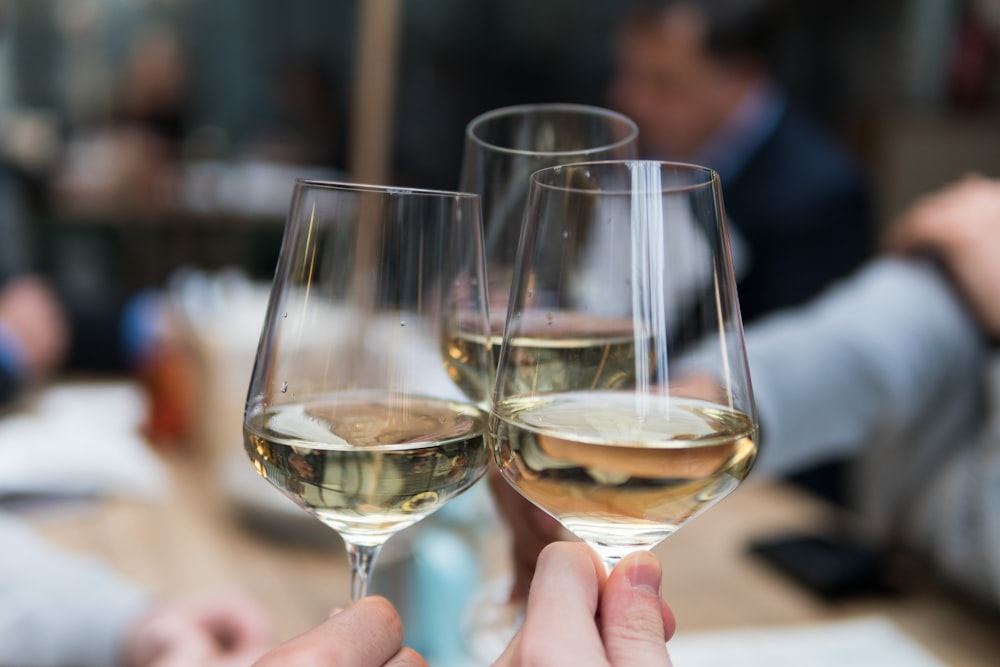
x: 557, y: 107
x: 711, y: 177
x: 348, y: 186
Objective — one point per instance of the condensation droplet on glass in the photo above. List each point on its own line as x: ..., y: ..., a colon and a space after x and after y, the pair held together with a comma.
x: 285, y: 316
x: 284, y: 387
x: 530, y: 293
x: 548, y: 319
x: 565, y: 235
x: 402, y: 323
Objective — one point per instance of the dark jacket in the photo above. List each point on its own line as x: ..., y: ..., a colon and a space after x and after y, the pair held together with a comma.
x: 803, y: 207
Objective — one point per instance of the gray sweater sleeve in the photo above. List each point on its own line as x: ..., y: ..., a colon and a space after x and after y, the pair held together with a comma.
x: 866, y: 360
x: 887, y: 368
x: 954, y: 517
x: 59, y: 609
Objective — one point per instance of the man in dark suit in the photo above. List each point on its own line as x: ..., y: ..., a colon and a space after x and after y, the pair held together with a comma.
x: 696, y: 78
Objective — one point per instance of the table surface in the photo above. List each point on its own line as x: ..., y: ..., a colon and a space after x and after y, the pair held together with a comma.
x: 189, y: 541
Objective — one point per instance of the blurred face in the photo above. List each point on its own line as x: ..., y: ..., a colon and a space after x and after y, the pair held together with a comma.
x: 665, y: 81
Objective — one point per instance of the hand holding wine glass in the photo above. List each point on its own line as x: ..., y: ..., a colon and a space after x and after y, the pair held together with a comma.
x: 350, y: 412
x: 623, y: 302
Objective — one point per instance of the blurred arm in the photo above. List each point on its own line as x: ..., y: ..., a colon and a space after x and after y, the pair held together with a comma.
x: 870, y: 359
x: 953, y: 519
x: 57, y: 609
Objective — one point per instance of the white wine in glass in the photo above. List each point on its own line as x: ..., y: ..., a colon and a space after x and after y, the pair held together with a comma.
x: 623, y: 404
x: 350, y: 411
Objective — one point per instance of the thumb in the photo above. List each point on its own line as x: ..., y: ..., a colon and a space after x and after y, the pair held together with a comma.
x: 635, y: 622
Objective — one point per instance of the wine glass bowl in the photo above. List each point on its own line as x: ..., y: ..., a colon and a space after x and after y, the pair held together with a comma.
x: 502, y: 149
x: 350, y: 411
x: 622, y: 403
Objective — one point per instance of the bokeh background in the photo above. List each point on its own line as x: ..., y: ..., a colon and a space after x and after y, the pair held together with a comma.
x: 243, y: 95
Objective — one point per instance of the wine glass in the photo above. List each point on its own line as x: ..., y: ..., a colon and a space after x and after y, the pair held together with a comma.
x: 350, y: 411
x: 502, y: 149
x: 623, y: 404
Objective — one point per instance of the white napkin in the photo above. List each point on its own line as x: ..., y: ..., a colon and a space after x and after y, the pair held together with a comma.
x: 871, y: 641
x: 80, y: 439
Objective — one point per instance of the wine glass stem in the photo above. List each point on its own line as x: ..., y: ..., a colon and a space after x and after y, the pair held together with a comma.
x: 362, y: 560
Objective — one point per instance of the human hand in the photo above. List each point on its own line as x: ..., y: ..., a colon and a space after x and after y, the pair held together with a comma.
x: 961, y: 225
x: 369, y: 633
x: 578, y: 617
x: 218, y: 631
x: 30, y: 311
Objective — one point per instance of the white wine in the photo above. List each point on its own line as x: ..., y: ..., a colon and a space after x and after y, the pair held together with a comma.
x: 549, y: 351
x: 617, y: 469
x: 369, y: 465
x: 470, y: 361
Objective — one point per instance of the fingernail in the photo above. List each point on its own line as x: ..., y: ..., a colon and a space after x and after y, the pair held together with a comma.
x: 335, y: 611
x: 644, y: 573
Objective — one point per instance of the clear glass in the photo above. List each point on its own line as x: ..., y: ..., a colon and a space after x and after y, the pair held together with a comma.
x: 623, y: 405
x: 502, y: 149
x: 350, y: 411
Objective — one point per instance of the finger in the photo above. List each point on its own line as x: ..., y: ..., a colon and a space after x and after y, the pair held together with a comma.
x: 236, y: 622
x: 366, y: 634
x: 635, y: 622
x: 407, y: 658
x: 559, y: 626
x: 937, y: 213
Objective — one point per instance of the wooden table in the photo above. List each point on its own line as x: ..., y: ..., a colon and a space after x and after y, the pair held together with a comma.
x: 190, y: 542
x: 712, y: 583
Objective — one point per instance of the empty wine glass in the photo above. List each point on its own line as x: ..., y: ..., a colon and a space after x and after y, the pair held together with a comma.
x: 350, y: 411
x: 623, y: 404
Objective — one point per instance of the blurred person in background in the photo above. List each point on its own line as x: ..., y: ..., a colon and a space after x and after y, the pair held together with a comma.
x: 57, y: 609
x: 308, y: 125
x: 890, y: 368
x: 696, y: 76
x: 153, y: 95
x: 52, y: 321
x: 130, y: 163
x: 33, y: 334
x: 62, y: 610
x: 46, y: 328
